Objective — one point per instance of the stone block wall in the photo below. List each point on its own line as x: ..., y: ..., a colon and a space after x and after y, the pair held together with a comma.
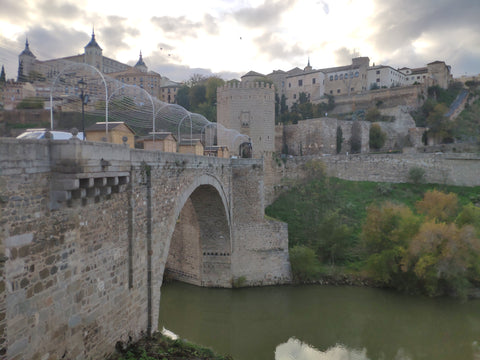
x: 250, y: 110
x: 449, y: 168
x: 87, y: 229
x: 319, y: 136
x: 260, y: 245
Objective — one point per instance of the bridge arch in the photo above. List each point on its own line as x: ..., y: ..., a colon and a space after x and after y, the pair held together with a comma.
x: 198, y: 247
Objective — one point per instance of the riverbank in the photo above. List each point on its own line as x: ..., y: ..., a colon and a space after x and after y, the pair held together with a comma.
x: 159, y: 346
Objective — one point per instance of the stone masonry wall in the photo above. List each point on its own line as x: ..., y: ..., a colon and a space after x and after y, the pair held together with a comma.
x: 86, y: 232
x: 260, y: 247
x: 449, y: 168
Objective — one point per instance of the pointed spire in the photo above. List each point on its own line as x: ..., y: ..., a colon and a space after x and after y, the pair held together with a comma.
x: 308, y: 67
x: 93, y: 42
x: 141, y: 64
x: 27, y: 50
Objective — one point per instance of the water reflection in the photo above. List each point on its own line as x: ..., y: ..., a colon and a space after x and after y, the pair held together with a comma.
x: 295, y: 349
x: 380, y: 325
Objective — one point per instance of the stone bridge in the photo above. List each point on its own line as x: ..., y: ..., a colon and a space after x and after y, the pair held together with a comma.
x: 88, y: 231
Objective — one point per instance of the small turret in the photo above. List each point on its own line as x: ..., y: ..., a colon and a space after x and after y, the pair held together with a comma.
x: 93, y: 53
x: 140, y: 65
x: 308, y: 67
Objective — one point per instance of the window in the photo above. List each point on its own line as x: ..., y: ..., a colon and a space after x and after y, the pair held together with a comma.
x: 331, y: 77
x: 351, y: 75
x: 294, y: 96
x: 378, y: 72
x: 378, y: 79
x: 352, y: 89
x: 313, y: 81
x: 338, y: 91
x: 356, y: 73
x: 331, y: 92
x: 300, y: 82
x: 336, y: 77
x: 346, y: 76
x: 341, y: 76
x: 289, y: 85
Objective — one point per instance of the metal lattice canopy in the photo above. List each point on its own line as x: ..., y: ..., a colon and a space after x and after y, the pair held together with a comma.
x: 110, y: 100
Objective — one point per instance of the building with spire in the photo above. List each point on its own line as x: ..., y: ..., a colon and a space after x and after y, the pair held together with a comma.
x: 31, y: 69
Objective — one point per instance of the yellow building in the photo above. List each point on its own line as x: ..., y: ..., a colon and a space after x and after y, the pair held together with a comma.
x: 217, y: 151
x: 162, y: 141
x: 117, y: 133
x: 190, y: 146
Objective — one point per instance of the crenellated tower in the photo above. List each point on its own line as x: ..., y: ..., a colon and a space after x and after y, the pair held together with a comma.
x: 248, y: 108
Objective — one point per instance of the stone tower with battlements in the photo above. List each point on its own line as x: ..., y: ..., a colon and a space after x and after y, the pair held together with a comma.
x: 248, y: 108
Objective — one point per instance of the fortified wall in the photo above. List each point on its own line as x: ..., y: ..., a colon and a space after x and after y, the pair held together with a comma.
x: 451, y: 168
x: 399, y: 96
x: 88, y: 230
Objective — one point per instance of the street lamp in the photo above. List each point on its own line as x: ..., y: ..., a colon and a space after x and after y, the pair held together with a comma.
x: 82, y: 85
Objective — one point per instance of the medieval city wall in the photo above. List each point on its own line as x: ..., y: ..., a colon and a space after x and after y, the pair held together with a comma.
x: 450, y: 168
x: 406, y: 95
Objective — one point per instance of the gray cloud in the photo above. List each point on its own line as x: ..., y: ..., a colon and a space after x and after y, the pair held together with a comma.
x: 268, y: 13
x: 446, y: 23
x: 115, y: 32
x: 275, y: 48
x: 343, y: 56
x: 56, y: 41
x: 210, y: 24
x: 179, y: 27
x: 58, y: 9
x: 14, y: 11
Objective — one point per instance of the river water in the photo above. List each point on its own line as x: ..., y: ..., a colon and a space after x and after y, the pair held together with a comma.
x: 322, y: 322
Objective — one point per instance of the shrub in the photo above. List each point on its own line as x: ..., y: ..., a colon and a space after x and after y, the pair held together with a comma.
x: 416, y: 175
x: 339, y: 139
x: 305, y: 265
x: 373, y: 114
x: 377, y: 137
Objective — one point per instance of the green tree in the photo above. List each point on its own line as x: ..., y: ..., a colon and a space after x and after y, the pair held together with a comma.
x: 377, y: 137
x: 3, y: 79
x: 197, y: 95
x: 183, y: 97
x: 439, y: 125
x: 212, y: 84
x: 445, y: 258
x: 438, y: 206
x: 31, y: 103
x: 385, y: 236
x: 339, y: 139
x: 304, y: 263
x: 334, y: 241
x: 416, y: 175
x: 356, y: 138
x: 470, y: 215
x: 373, y: 114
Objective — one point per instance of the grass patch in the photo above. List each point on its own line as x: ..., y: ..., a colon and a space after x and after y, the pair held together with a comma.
x: 161, y: 347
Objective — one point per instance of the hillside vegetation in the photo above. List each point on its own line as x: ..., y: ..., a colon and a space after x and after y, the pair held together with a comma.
x: 415, y: 237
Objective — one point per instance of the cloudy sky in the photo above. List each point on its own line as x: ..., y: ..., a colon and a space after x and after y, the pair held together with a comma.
x: 231, y: 37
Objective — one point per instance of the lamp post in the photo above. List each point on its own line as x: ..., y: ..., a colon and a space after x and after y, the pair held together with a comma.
x: 82, y: 85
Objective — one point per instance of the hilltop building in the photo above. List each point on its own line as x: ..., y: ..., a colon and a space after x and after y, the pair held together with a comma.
x: 36, y: 71
x: 358, y: 77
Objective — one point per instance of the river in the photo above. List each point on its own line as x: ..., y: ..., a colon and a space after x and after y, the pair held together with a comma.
x: 322, y: 322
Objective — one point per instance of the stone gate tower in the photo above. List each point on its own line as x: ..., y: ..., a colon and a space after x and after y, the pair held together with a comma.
x: 248, y: 108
